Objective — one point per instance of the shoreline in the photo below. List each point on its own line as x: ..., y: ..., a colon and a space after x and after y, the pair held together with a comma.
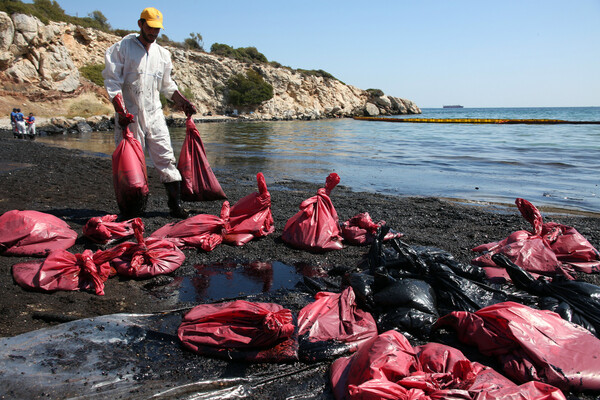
x: 548, y: 209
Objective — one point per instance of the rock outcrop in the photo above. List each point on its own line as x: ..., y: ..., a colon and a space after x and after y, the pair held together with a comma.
x: 42, y: 62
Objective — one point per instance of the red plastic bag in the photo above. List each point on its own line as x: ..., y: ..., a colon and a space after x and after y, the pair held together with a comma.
x: 240, y: 330
x: 531, y: 344
x: 199, y: 183
x: 333, y: 318
x: 202, y: 231
x: 130, y: 177
x: 360, y: 230
x: 62, y: 270
x: 251, y: 216
x: 146, y: 258
x: 570, y: 247
x: 104, y: 230
x: 316, y: 226
x: 33, y: 233
x: 388, y: 367
x: 528, y: 250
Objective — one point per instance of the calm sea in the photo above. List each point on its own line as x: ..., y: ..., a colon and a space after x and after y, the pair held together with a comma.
x: 549, y: 165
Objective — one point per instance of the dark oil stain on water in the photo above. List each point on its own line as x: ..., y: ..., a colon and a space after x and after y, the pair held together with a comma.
x: 228, y: 280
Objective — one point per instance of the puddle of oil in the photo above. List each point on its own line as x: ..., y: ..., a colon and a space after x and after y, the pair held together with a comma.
x: 230, y: 280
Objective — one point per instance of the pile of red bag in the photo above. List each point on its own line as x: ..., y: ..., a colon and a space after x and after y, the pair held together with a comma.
x: 43, y: 235
x: 316, y: 226
x: 263, y: 332
x: 549, y: 249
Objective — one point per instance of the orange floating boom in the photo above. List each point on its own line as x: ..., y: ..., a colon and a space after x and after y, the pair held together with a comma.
x: 475, y: 120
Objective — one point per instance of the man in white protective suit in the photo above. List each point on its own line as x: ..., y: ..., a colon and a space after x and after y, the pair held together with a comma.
x: 137, y: 71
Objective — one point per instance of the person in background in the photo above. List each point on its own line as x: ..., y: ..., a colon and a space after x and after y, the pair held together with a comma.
x: 136, y: 71
x: 30, y: 125
x: 20, y: 122
x: 13, y: 122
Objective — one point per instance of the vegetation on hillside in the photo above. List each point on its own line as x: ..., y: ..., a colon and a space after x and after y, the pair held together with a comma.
x: 47, y: 10
x: 248, y: 90
x: 93, y: 72
x: 375, y: 92
x: 244, y: 54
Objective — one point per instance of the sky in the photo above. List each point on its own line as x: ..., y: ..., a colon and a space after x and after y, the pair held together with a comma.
x: 476, y: 53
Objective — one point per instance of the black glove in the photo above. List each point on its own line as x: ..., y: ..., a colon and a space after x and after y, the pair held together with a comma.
x: 184, y: 104
x: 124, y: 117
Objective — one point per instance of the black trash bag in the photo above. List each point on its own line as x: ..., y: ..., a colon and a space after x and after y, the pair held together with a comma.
x: 408, y: 306
x: 439, y: 256
x: 411, y: 322
x: 407, y: 293
x: 361, y: 284
x: 582, y: 298
x: 451, y: 286
x: 454, y: 292
x: 394, y: 255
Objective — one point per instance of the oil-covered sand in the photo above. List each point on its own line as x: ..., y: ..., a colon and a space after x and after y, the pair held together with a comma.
x: 75, y: 187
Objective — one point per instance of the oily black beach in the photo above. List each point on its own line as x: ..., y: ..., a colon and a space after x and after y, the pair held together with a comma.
x: 76, y: 186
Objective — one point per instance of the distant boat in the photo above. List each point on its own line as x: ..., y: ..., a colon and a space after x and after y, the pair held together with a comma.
x: 454, y: 106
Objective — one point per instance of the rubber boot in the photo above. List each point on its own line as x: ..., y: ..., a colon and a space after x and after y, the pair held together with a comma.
x: 174, y: 200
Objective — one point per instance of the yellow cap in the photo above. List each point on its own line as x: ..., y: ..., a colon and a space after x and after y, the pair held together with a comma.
x: 153, y: 17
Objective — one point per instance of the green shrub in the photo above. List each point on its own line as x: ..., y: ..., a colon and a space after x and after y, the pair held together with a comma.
x: 248, y: 90
x: 316, y: 72
x: 124, y: 32
x: 375, y: 92
x: 93, y: 72
x: 244, y: 54
x: 47, y: 10
x: 187, y: 93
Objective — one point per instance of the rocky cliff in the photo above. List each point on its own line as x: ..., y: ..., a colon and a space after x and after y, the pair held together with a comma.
x: 41, y: 63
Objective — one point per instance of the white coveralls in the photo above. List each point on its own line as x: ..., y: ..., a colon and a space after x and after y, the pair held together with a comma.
x: 140, y: 76
x: 20, y: 122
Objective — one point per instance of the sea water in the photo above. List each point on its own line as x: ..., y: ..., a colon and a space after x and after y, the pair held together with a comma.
x: 549, y: 165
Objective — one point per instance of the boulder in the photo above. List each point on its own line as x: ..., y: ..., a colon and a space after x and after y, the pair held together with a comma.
x: 26, y: 25
x: 371, y: 110
x: 58, y: 70
x: 23, y: 71
x: 398, y: 105
x: 83, y: 127
x: 383, y: 101
x: 88, y: 34
x: 6, y: 59
x: 7, y: 31
x: 411, y: 107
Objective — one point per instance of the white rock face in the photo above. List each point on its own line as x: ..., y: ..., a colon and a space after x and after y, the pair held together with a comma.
x: 43, y: 57
x: 7, y: 31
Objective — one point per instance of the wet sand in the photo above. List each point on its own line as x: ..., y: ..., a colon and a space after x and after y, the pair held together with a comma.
x: 76, y: 187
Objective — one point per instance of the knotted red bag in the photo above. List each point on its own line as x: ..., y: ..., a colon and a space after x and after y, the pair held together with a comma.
x: 105, y: 230
x: 204, y: 231
x: 316, y: 226
x: 62, y: 270
x: 529, y: 250
x: 146, y: 258
x: 130, y: 177
x: 240, y: 330
x: 198, y: 183
x: 251, y: 216
x: 33, y: 233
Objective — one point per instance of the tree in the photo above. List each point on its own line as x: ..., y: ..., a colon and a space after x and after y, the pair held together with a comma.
x: 248, y: 90
x: 100, y: 18
x: 195, y: 42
